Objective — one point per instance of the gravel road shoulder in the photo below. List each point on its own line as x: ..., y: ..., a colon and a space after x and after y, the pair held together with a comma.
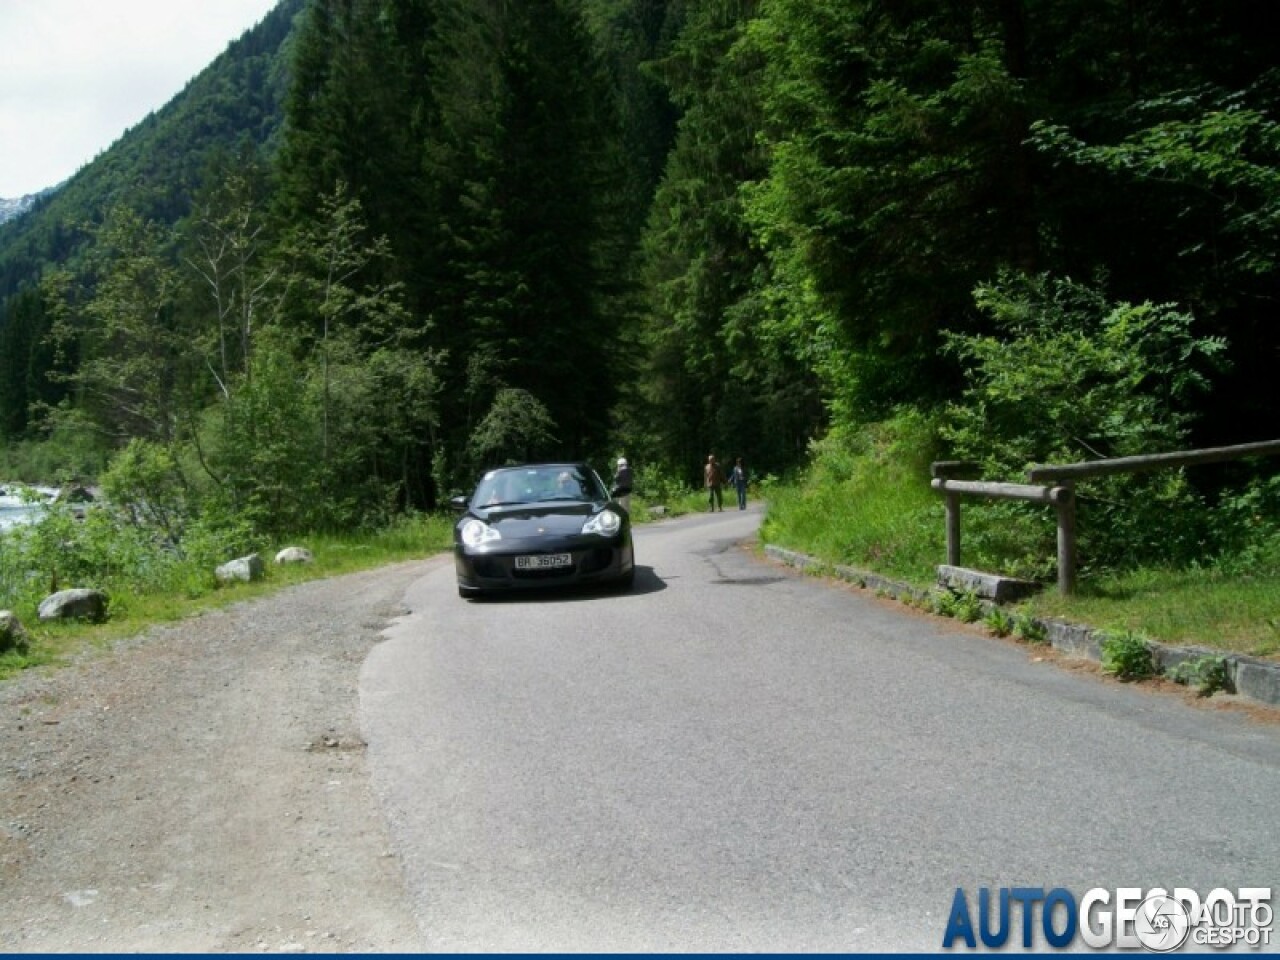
x: 204, y: 787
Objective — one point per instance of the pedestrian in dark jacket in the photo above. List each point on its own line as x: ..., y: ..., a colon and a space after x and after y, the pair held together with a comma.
x: 738, y: 478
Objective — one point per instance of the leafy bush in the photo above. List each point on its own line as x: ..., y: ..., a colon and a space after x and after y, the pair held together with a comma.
x: 943, y: 603
x: 1000, y: 622
x: 67, y: 454
x: 143, y: 482
x: 60, y: 551
x: 1069, y: 376
x: 1246, y: 526
x: 657, y: 484
x: 1209, y: 674
x: 968, y: 608
x: 1029, y: 629
x: 1126, y: 656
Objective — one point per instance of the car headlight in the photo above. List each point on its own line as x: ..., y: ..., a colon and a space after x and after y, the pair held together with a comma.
x: 606, y: 523
x: 474, y: 533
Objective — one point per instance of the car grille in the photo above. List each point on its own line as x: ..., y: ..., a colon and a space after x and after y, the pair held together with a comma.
x: 554, y: 574
x: 592, y: 561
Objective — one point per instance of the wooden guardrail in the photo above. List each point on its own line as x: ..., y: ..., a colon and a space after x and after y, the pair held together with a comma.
x: 1061, y: 497
x: 1052, y: 484
x: 1154, y: 461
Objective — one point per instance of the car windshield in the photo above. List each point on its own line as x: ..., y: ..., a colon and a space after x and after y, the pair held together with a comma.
x: 536, y: 485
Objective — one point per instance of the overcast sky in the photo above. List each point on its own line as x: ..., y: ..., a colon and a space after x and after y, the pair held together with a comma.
x: 76, y: 74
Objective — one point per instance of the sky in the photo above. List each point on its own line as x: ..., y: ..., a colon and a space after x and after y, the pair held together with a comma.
x: 76, y: 74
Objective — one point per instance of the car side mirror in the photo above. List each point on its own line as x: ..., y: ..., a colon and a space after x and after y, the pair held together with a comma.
x: 619, y: 492
x: 459, y: 504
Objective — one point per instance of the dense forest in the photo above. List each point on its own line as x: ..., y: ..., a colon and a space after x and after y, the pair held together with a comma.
x: 380, y: 244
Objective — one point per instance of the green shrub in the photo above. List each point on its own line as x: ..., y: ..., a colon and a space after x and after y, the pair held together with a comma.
x: 1209, y: 674
x: 943, y: 603
x: 143, y: 482
x: 1067, y: 376
x: 968, y: 608
x: 1000, y: 622
x: 657, y: 484
x: 1246, y: 527
x: 1029, y: 629
x: 1126, y: 655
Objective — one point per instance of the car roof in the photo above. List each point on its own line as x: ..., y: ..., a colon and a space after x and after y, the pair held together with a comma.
x: 541, y: 465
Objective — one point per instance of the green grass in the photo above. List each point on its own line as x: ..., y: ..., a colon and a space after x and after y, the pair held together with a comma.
x: 866, y: 502
x: 53, y: 643
x: 189, y: 593
x: 1201, y: 608
x: 693, y: 501
x: 869, y: 507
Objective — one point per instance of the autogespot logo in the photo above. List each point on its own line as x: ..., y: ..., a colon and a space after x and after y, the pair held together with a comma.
x: 1128, y: 918
x: 1161, y: 924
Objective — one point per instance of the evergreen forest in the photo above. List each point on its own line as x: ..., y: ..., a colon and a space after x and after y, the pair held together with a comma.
x: 379, y: 245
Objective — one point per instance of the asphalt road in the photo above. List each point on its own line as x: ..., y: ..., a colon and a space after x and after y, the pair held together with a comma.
x: 734, y: 757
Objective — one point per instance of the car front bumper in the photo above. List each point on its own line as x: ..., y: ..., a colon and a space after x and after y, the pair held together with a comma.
x: 485, y: 569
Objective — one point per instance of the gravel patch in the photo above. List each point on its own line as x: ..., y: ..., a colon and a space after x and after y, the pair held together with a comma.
x: 204, y: 787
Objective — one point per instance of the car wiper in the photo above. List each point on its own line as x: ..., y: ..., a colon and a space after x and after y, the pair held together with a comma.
x: 504, y: 503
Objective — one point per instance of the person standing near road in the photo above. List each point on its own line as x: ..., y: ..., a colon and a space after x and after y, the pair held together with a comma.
x: 738, y: 477
x: 713, y: 479
x: 622, y: 483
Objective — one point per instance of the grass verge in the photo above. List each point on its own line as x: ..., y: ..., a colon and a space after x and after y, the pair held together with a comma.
x: 1199, y: 608
x: 410, y: 539
x: 865, y: 501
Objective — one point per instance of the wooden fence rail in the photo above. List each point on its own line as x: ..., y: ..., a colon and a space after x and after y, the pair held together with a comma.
x: 1052, y: 484
x: 1060, y: 497
x: 1043, y: 473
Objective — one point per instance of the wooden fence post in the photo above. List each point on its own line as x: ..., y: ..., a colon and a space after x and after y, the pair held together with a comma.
x: 946, y: 474
x: 942, y: 471
x: 953, y: 528
x: 1064, y: 501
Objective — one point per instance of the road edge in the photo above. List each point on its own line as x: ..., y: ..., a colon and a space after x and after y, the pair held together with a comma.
x: 1251, y: 677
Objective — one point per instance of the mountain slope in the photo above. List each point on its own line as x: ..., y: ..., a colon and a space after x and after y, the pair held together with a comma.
x: 156, y: 166
x: 17, y: 206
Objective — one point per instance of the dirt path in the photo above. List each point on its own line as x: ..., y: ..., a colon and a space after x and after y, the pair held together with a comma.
x: 204, y: 787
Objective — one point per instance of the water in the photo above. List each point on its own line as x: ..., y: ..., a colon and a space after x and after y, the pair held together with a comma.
x: 14, y: 510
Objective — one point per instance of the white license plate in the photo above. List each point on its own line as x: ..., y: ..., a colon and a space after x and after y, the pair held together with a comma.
x: 548, y: 561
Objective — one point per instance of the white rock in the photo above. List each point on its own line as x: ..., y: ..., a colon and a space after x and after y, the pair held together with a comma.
x: 294, y: 555
x: 245, y: 569
x: 76, y: 604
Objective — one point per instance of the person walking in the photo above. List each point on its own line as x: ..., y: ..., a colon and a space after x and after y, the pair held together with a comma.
x: 713, y: 478
x: 622, y: 482
x: 738, y: 477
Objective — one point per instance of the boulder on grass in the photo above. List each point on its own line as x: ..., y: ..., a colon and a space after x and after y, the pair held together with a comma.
x: 13, y: 636
x: 294, y: 555
x: 245, y: 569
x: 77, y: 604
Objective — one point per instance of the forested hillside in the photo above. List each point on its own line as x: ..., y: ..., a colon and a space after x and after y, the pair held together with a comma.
x: 438, y: 234
x: 231, y: 112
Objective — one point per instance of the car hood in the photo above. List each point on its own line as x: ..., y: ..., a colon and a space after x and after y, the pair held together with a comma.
x: 538, y: 520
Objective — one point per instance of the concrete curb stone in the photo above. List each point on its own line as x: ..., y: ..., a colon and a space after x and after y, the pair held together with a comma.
x: 1251, y: 677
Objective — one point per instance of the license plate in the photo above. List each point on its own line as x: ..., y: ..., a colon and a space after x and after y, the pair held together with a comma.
x: 547, y: 561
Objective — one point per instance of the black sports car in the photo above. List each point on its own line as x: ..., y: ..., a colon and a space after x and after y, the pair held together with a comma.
x: 541, y: 525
